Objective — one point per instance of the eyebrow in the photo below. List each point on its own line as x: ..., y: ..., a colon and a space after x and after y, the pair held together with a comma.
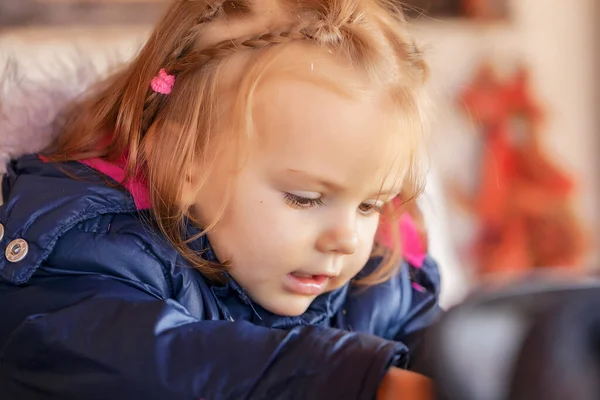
x: 315, y: 179
x: 329, y: 184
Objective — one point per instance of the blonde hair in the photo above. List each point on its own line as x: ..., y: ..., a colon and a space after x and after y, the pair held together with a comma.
x: 369, y: 35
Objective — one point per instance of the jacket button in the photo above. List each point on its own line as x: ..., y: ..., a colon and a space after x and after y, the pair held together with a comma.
x: 1, y: 231
x: 16, y: 250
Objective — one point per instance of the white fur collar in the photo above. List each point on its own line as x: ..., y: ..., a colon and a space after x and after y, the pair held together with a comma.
x: 31, y: 97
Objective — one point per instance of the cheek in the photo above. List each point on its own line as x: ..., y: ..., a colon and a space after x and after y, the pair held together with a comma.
x: 367, y: 228
x: 259, y: 225
x: 366, y: 233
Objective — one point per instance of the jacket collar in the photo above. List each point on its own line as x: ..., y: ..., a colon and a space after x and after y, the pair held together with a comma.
x: 42, y: 203
x: 240, y: 307
x: 237, y: 305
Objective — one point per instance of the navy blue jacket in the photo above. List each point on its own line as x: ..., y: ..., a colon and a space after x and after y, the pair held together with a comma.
x: 101, y: 307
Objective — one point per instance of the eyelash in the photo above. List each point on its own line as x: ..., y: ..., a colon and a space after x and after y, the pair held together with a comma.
x: 303, y: 203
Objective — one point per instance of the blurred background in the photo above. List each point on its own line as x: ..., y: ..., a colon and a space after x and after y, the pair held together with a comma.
x: 514, y: 184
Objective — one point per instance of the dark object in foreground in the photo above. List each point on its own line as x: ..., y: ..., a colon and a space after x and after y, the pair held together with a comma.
x: 534, y: 341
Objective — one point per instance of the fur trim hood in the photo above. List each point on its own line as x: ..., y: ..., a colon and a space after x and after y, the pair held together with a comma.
x: 32, y: 97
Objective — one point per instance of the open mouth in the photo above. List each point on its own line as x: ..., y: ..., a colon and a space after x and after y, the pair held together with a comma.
x: 306, y: 284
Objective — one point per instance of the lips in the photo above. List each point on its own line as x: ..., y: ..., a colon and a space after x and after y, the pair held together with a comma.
x: 306, y: 284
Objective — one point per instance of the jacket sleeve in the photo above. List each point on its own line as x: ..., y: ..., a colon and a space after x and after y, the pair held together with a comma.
x: 99, y: 338
x: 421, y: 289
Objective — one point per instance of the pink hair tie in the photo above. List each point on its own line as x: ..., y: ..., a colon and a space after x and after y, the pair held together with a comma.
x: 163, y: 82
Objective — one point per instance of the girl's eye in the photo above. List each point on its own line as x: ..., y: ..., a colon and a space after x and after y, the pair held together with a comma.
x: 369, y: 208
x: 300, y: 202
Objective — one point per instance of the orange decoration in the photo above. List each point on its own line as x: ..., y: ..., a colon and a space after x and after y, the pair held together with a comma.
x: 523, y: 200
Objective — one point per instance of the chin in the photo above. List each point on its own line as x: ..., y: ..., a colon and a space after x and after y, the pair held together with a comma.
x: 287, y: 307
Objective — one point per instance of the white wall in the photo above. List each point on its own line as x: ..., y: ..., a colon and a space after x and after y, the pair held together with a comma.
x: 556, y: 39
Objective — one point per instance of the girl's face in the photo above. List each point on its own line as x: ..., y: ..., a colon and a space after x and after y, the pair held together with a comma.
x: 304, y: 208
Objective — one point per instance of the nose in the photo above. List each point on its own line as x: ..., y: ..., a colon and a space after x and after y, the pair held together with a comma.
x: 341, y: 240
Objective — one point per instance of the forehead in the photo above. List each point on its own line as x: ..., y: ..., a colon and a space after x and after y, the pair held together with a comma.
x: 308, y: 112
x: 355, y: 141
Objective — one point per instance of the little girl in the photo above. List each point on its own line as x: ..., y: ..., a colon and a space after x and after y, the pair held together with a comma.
x: 203, y: 226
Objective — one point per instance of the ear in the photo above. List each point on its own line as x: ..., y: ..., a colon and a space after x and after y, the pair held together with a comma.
x: 189, y: 192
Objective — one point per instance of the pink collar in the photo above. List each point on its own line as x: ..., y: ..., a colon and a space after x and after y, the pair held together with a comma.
x: 136, y: 187
x: 413, y: 250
